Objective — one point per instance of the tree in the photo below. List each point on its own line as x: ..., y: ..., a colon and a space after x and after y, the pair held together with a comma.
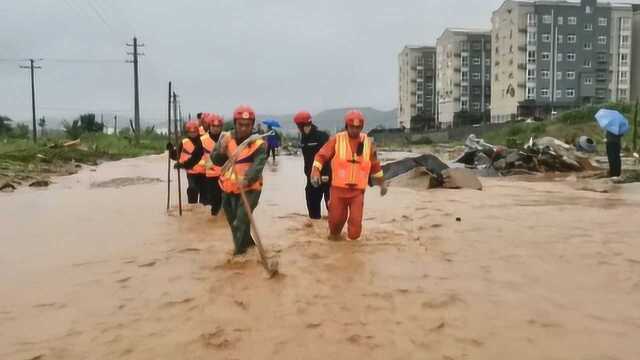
x: 42, y: 123
x: 5, y: 126
x: 86, y: 123
x: 21, y: 131
x: 422, y: 122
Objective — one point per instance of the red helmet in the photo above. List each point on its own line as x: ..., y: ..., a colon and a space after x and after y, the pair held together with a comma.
x: 302, y: 118
x: 213, y: 120
x: 244, y: 112
x: 192, y: 126
x: 354, y: 118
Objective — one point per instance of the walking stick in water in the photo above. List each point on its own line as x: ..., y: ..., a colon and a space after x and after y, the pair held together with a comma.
x: 175, y: 128
x: 169, y: 152
x: 271, y: 266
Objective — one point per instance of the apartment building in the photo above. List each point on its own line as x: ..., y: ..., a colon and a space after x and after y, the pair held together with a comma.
x: 549, y: 55
x: 417, y: 82
x: 463, y: 74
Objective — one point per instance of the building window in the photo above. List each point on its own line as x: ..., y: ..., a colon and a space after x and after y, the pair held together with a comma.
x: 544, y: 92
x: 571, y: 75
x: 531, y: 93
x: 532, y: 37
x: 546, y: 38
x: 602, y: 21
x: 531, y: 75
x: 602, y: 58
x: 531, y: 56
x: 559, y: 75
x: 544, y: 74
x: 546, y: 19
x: 465, y: 76
x: 532, y: 20
x: 546, y: 56
x: 476, y: 61
x: 571, y: 57
x: 571, y: 38
x: 558, y: 94
x: 571, y: 93
x: 602, y: 40
x: 464, y: 90
x: 559, y: 56
x: 624, y: 60
x: 560, y: 38
x: 588, y: 80
x: 476, y: 106
x: 560, y: 20
x: 587, y: 63
x: 588, y: 45
x: 625, y: 22
x: 624, y: 77
x: 464, y: 60
x: 487, y: 77
x: 476, y: 45
x: 572, y: 20
x: 588, y: 9
x: 588, y: 27
x: 476, y: 76
x: 624, y: 41
x: 464, y: 105
x: 622, y: 93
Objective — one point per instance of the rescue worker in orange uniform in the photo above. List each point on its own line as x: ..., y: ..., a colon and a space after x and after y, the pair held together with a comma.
x: 188, y: 156
x: 203, y: 127
x: 354, y: 162
x: 213, y: 123
x: 245, y: 174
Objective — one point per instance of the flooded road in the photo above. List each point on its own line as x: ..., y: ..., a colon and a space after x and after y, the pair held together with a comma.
x: 94, y: 268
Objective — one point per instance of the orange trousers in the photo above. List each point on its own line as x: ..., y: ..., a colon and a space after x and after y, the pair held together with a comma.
x: 346, y: 205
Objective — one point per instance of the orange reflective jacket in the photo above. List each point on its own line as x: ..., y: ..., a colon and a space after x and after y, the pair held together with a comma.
x: 187, y: 150
x: 208, y: 144
x: 350, y: 170
x: 230, y: 181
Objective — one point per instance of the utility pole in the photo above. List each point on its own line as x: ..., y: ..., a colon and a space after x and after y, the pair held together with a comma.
x: 136, y: 91
x: 33, y: 94
x: 115, y: 125
x: 635, y: 128
x: 102, y: 121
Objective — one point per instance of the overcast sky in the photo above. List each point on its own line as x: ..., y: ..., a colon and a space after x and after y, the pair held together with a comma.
x: 279, y: 56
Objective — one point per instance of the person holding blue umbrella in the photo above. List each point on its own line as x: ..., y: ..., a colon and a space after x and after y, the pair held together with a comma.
x: 616, y: 125
x: 273, y: 139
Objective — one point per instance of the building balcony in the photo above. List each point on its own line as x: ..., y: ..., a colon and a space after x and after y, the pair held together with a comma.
x: 522, y: 66
x: 522, y: 30
x: 522, y: 48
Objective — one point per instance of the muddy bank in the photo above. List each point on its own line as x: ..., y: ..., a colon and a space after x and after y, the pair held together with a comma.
x: 526, y: 270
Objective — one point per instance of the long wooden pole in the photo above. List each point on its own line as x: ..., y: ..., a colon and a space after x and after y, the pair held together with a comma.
x: 175, y: 128
x: 169, y: 152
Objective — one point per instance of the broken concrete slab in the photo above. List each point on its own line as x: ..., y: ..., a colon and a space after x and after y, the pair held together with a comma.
x: 460, y: 178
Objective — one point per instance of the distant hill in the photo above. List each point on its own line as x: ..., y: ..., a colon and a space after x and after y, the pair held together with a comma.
x: 332, y: 119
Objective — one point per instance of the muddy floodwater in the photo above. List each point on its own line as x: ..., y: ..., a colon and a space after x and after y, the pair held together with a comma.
x: 95, y: 268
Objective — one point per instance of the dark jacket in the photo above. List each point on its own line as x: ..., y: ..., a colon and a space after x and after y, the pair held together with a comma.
x: 196, y: 155
x: 613, y: 138
x: 310, y: 145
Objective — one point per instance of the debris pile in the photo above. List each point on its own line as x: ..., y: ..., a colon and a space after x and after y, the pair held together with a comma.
x: 438, y: 173
x: 545, y: 154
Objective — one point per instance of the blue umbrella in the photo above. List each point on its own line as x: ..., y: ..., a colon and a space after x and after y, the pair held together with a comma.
x: 612, y: 121
x: 271, y: 122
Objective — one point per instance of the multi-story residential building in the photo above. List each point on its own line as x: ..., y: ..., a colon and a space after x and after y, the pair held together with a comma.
x: 549, y: 55
x: 464, y: 74
x: 417, y: 82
